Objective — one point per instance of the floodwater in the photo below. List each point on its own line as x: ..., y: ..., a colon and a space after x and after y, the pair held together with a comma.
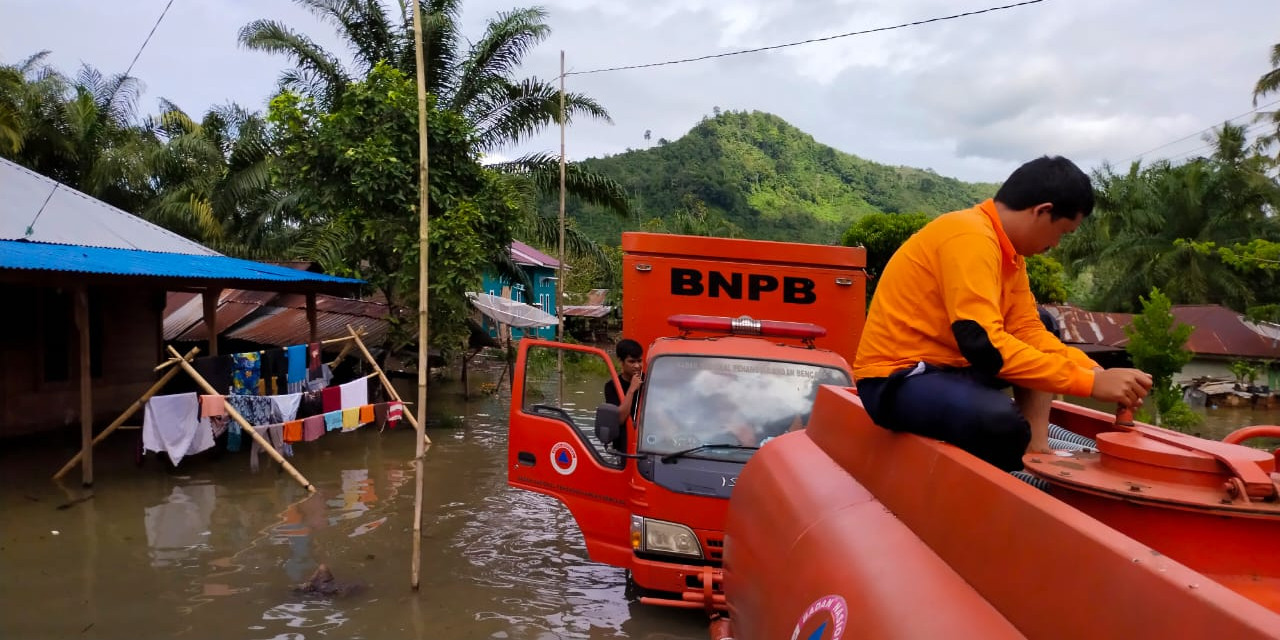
x: 212, y: 549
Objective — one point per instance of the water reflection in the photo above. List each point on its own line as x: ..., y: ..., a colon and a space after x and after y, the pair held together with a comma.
x: 178, y: 527
x: 215, y: 550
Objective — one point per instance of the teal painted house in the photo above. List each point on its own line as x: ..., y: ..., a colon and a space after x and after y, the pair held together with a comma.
x: 541, y: 269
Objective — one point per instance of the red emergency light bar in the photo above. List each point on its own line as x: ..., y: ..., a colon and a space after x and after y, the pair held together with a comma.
x: 747, y: 326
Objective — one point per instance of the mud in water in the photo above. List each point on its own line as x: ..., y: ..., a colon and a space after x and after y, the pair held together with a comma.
x: 214, y: 550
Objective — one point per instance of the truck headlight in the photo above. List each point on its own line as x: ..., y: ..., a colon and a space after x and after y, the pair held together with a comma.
x: 659, y: 536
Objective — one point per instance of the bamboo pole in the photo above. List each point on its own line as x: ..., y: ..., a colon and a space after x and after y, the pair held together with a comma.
x: 346, y: 348
x: 336, y: 340
x: 386, y: 382
x: 133, y: 408
x: 244, y: 424
x: 423, y: 234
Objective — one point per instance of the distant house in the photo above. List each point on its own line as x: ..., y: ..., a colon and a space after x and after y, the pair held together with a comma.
x: 541, y: 270
x: 86, y: 282
x: 1221, y: 337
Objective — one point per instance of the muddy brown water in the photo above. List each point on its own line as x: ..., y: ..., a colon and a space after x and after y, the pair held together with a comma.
x: 212, y: 549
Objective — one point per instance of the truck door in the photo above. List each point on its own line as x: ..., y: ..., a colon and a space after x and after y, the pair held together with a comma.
x: 552, y: 446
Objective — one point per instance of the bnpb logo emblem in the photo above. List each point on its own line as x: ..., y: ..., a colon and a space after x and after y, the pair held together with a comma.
x: 563, y: 458
x: 825, y: 619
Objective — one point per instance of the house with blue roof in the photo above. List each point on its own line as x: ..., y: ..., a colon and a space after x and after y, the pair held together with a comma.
x: 541, y: 271
x: 86, y: 285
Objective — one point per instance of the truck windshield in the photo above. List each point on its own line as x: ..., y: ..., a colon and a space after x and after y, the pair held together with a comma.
x: 692, y: 401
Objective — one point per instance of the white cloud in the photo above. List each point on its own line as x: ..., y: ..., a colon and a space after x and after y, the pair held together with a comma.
x: 972, y: 98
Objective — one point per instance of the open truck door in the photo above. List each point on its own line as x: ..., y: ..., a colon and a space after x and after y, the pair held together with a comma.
x: 552, y: 446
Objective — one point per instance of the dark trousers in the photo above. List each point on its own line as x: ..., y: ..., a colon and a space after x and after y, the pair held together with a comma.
x: 959, y: 406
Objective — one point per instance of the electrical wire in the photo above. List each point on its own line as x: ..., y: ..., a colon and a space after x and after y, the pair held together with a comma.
x: 148, y: 39
x: 809, y: 41
x: 1204, y: 130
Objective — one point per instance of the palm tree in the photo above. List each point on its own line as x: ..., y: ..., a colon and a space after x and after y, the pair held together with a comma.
x: 477, y: 80
x: 1267, y: 84
x: 1152, y: 225
x: 479, y: 83
x: 82, y: 132
x: 214, y: 181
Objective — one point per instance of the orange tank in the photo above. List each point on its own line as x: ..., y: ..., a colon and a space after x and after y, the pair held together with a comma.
x: 847, y: 530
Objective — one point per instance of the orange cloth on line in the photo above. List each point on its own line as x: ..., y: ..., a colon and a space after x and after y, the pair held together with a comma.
x: 366, y: 414
x: 212, y: 406
x: 962, y: 266
x: 293, y: 431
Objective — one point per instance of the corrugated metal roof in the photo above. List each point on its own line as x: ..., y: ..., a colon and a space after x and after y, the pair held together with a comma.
x: 522, y: 253
x: 129, y: 262
x: 58, y: 214
x: 284, y: 327
x: 587, y: 310
x: 1090, y: 327
x: 1219, y: 331
x: 272, y: 318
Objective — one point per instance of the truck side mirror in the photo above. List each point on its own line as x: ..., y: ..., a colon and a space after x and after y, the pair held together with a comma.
x: 608, y: 423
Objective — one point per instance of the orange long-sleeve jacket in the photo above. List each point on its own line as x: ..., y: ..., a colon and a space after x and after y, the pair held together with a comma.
x: 956, y: 294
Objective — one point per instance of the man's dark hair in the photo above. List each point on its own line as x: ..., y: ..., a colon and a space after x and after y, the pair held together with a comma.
x: 1055, y: 180
x: 628, y: 348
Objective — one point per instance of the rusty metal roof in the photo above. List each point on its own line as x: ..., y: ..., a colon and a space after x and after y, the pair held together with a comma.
x: 272, y: 318
x: 283, y: 327
x: 1090, y: 327
x: 1219, y: 331
x: 587, y: 310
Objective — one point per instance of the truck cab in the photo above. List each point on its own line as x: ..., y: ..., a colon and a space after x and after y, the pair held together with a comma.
x: 735, y: 351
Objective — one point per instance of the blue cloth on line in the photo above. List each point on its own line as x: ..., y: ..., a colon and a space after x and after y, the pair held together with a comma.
x: 297, y: 356
x: 333, y: 421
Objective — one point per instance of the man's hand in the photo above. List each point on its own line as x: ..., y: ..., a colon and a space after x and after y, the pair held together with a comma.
x: 1123, y: 386
x: 1039, y: 447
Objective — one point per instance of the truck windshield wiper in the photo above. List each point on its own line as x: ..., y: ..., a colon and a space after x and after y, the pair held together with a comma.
x: 671, y: 457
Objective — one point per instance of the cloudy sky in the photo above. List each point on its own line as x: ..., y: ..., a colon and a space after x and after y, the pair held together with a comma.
x: 1095, y: 80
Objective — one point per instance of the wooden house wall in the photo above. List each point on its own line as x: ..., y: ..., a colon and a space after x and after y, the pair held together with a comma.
x: 39, y: 349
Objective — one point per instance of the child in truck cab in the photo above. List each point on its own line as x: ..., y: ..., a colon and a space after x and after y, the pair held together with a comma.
x: 631, y: 362
x: 953, y: 323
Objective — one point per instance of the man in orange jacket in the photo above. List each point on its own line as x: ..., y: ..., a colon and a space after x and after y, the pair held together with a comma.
x: 953, y: 323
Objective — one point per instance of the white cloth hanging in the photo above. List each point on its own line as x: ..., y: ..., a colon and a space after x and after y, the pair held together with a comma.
x: 170, y: 424
x: 355, y: 394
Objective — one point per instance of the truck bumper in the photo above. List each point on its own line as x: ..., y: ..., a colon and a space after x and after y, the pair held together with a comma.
x: 690, y: 586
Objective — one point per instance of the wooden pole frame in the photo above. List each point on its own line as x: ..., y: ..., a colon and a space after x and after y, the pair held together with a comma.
x: 244, y: 424
x: 133, y: 408
x: 386, y: 382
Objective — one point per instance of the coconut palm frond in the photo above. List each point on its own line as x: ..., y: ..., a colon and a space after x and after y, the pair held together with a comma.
x: 507, y: 39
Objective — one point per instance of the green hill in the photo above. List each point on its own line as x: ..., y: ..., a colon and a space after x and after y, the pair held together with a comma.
x: 754, y: 175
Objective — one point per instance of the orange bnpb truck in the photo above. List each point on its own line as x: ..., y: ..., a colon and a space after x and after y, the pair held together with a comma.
x: 738, y: 335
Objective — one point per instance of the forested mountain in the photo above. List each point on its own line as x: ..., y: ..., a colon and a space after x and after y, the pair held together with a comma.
x: 754, y: 175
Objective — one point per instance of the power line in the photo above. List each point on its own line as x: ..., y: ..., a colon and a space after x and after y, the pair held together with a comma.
x: 144, y: 42
x: 1204, y: 130
x: 1249, y: 131
x: 809, y: 41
